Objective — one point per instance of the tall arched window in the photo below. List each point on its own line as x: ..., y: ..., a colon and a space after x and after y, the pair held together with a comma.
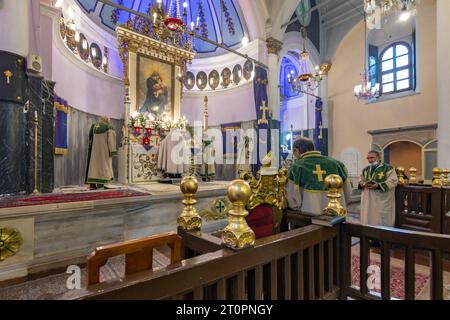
x: 396, y: 68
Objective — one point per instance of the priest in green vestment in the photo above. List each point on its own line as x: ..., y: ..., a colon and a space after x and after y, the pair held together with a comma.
x: 378, y: 182
x: 305, y: 189
x: 102, y: 147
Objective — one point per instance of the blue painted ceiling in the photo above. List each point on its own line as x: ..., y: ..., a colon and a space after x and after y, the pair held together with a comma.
x: 220, y: 20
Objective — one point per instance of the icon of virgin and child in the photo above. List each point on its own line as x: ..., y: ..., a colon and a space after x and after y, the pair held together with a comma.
x: 157, y: 96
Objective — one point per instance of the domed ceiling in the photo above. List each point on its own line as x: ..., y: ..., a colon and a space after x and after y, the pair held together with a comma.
x: 220, y: 20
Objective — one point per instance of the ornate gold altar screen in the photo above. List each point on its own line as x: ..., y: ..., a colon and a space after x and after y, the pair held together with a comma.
x: 153, y: 91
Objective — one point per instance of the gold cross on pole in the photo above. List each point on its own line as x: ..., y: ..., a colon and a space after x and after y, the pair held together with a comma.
x: 264, y: 110
x: 320, y: 173
x: 8, y: 74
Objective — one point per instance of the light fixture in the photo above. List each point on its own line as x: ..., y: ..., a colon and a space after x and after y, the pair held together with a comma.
x: 389, y: 7
x: 84, y: 44
x: 94, y: 53
x: 366, y: 91
x: 77, y: 37
x: 304, y: 54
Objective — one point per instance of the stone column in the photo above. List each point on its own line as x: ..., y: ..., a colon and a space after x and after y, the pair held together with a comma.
x: 14, y: 26
x: 273, y: 49
x: 443, y: 79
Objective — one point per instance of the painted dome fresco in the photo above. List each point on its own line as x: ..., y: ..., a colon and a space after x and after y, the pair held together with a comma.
x: 219, y: 20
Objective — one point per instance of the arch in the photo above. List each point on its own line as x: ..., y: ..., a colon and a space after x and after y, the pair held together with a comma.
x: 283, y: 15
x: 401, y: 140
x: 425, y: 147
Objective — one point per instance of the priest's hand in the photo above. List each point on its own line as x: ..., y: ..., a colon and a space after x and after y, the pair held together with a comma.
x: 372, y: 186
x: 362, y: 185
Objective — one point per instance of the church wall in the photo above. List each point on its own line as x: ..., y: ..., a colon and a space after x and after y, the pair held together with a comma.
x: 350, y: 121
x: 226, y: 106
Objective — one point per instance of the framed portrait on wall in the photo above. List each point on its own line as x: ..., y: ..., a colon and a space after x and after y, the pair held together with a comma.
x: 155, y: 86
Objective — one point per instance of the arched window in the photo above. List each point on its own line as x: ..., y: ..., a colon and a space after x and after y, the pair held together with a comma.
x: 396, y: 68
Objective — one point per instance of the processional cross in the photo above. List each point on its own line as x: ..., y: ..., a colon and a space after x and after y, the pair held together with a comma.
x: 264, y: 110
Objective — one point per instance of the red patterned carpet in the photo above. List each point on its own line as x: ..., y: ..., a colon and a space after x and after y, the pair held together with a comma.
x: 397, y: 279
x: 72, y: 197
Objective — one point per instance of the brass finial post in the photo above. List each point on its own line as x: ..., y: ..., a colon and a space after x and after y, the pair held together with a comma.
x: 437, y: 178
x: 446, y: 181
x: 189, y: 219
x: 413, y: 176
x: 401, y: 176
x: 334, y: 185
x: 237, y: 234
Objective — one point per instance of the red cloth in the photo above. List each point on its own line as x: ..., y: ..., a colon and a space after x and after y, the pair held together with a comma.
x: 260, y: 220
x: 69, y: 197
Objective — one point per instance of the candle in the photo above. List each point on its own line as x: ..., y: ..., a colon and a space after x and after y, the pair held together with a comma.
x: 35, y: 115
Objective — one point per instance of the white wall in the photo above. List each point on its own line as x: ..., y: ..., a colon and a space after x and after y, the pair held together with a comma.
x: 84, y: 87
x: 226, y: 106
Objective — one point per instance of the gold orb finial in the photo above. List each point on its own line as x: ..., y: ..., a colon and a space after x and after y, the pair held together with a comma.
x: 437, y: 178
x: 237, y: 234
x: 189, y: 185
x: 413, y: 175
x: 239, y: 191
x: 334, y: 185
x: 189, y: 219
x: 401, y: 175
x: 334, y: 181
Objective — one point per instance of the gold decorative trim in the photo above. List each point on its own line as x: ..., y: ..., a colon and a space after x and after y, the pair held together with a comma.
x: 274, y: 46
x: 10, y: 243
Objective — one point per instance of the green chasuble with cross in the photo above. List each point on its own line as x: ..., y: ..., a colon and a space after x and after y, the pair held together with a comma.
x: 378, y: 205
x: 306, y: 190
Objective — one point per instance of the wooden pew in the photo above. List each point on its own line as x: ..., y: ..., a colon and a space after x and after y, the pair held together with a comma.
x: 138, y: 254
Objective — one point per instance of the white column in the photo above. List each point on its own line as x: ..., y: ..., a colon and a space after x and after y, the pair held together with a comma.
x: 273, y: 49
x: 443, y: 79
x: 14, y: 26
x: 273, y: 90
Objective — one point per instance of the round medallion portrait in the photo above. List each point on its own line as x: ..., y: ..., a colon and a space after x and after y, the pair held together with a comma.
x: 237, y: 74
x: 248, y: 69
x: 189, y: 80
x: 214, y: 79
x: 83, y: 47
x: 202, y: 80
x: 96, y: 55
x: 226, y: 77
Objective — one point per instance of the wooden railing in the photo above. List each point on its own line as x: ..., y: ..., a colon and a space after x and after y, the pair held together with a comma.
x: 299, y: 264
x: 411, y: 242
x: 419, y: 208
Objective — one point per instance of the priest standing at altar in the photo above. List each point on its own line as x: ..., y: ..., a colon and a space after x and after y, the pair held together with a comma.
x: 102, y: 147
x: 378, y: 183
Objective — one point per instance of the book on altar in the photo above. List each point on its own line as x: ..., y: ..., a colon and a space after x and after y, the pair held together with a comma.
x: 327, y: 220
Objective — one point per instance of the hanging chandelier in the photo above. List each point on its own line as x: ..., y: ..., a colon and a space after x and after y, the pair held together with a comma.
x: 405, y: 8
x: 366, y: 90
x: 306, y: 81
